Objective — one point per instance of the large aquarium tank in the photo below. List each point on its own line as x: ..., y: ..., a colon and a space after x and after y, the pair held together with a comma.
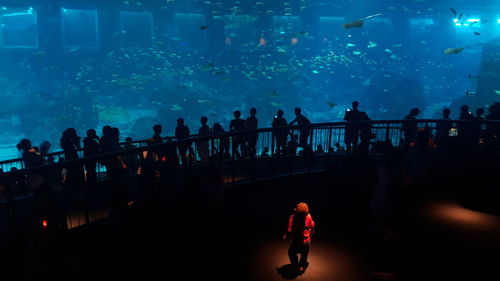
x: 135, y: 63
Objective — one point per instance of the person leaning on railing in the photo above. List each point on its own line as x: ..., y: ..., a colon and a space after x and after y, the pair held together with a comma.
x: 31, y: 158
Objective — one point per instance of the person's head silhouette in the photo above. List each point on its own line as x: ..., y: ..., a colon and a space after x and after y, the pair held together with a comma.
x: 157, y: 129
x: 355, y: 104
x: 446, y: 112
x: 253, y: 111
x: 298, y: 111
x: 414, y: 111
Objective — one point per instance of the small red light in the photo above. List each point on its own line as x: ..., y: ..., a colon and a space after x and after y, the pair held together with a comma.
x: 44, y: 224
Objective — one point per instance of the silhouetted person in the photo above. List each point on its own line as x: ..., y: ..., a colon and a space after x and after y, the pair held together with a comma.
x: 131, y: 160
x: 70, y: 143
x: 182, y: 133
x: 409, y: 126
x: 339, y: 148
x: 202, y: 146
x: 172, y: 157
x: 31, y: 158
x: 480, y: 113
x: 280, y: 132
x: 319, y: 149
x: 157, y: 138
x: 236, y: 125
x: 443, y: 129
x: 252, y: 123
x: 223, y: 142
x: 116, y: 167
x: 109, y: 143
x: 351, y: 136
x: 106, y: 143
x: 155, y: 154
x: 300, y: 227
x: 301, y: 120
x: 45, y: 150
x: 90, y: 148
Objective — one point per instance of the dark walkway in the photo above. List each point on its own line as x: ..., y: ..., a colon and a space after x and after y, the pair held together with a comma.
x: 188, y: 240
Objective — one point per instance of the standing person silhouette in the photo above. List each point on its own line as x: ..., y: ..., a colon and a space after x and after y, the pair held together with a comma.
x: 301, y: 120
x: 280, y: 133
x: 352, y: 131
x: 252, y: 123
x: 300, y: 227
x: 90, y: 148
x: 202, y: 146
x: 409, y: 126
x: 443, y: 129
x: 182, y: 133
x: 237, y: 124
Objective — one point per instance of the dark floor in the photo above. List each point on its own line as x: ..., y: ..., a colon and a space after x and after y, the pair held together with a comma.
x: 186, y: 240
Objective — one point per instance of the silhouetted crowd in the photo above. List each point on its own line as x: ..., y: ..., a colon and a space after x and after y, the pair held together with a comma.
x: 286, y: 141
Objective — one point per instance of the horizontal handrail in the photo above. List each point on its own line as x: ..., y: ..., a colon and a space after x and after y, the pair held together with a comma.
x: 212, y: 136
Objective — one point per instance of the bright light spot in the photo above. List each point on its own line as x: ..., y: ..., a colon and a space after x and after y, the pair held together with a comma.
x: 473, y: 20
x: 455, y: 20
x: 498, y: 20
x: 44, y: 224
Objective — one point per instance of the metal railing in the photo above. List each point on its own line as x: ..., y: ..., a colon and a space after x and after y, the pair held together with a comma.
x: 238, y: 157
x: 330, y: 137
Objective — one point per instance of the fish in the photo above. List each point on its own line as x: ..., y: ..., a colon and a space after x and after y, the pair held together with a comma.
x: 470, y: 93
x: 473, y: 77
x: 358, y: 23
x: 176, y: 107
x: 203, y: 27
x: 209, y: 66
x: 203, y: 101
x: 477, y: 33
x: 472, y: 23
x: 331, y: 104
x: 454, y: 12
x: 300, y: 33
x: 274, y: 93
x: 219, y: 72
x: 275, y: 104
x: 453, y: 51
x: 497, y: 92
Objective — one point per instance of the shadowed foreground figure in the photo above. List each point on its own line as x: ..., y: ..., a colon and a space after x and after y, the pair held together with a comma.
x: 300, y: 227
